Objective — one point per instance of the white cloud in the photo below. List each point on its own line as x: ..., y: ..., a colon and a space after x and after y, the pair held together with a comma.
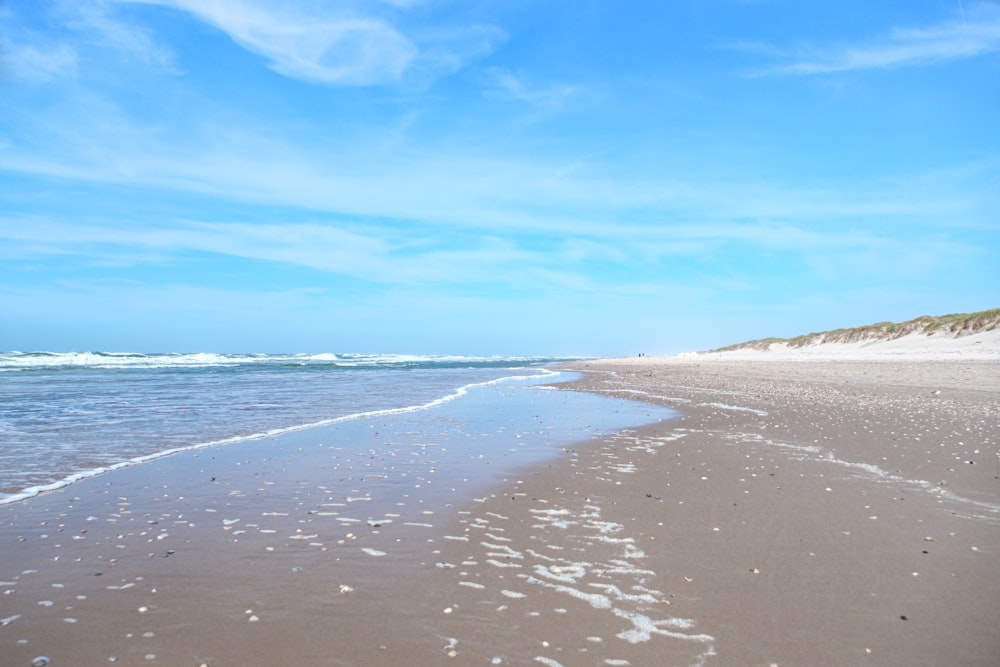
x: 376, y: 254
x: 484, y: 192
x: 975, y: 34
x: 445, y: 51
x: 29, y: 54
x: 504, y: 84
x: 327, y: 43
x: 96, y: 19
x: 37, y: 61
x: 557, y: 254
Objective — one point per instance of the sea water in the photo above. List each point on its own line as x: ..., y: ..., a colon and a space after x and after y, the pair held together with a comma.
x: 68, y: 416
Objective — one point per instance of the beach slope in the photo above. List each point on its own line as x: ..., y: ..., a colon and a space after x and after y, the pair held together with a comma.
x: 821, y: 513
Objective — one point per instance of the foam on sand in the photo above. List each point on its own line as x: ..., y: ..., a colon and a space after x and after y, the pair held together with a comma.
x: 861, y: 490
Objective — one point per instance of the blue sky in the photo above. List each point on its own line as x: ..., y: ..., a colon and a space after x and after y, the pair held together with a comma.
x: 496, y: 177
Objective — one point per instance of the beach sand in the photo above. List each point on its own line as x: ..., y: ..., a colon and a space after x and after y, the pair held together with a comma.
x: 796, y: 513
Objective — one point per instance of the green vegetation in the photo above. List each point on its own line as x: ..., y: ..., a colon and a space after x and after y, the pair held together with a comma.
x: 956, y: 324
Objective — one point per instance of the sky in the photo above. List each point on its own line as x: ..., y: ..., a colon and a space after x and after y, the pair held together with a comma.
x: 557, y: 177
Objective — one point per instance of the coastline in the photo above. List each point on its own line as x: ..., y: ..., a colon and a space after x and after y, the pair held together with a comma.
x: 840, y: 497
x: 139, y: 408
x: 285, y: 547
x: 793, y: 514
x: 817, y: 513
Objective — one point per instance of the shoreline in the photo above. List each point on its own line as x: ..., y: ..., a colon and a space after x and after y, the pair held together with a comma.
x: 221, y: 555
x: 785, y: 517
x: 870, y: 491
x: 18, y: 495
x: 779, y: 521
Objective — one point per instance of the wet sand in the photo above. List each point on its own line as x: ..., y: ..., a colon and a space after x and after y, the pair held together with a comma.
x: 807, y: 513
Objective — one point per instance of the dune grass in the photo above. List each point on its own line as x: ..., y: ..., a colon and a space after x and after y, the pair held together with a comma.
x: 955, y: 325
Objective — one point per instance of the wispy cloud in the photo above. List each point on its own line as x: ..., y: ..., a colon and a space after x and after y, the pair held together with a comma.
x: 37, y: 53
x: 28, y: 55
x: 975, y: 33
x: 96, y: 20
x: 375, y: 254
x: 329, y: 43
x: 484, y: 191
x: 553, y: 256
x: 504, y: 84
x: 36, y: 61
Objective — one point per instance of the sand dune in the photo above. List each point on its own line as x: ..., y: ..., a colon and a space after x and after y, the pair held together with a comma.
x: 924, y: 338
x: 914, y: 346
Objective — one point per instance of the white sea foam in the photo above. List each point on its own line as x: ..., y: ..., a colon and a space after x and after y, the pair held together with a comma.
x: 107, y: 360
x: 677, y: 400
x: 595, y: 600
x: 547, y: 661
x: 555, y: 518
x: 498, y: 538
x: 874, y: 472
x: 736, y: 408
x: 619, y: 595
x: 567, y: 574
x: 619, y: 581
x: 502, y: 550
x: 643, y: 628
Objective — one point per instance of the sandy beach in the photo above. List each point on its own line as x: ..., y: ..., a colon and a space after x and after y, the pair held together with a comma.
x: 794, y: 513
x: 821, y: 513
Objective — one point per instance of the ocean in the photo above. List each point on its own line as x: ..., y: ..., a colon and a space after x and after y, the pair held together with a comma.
x: 65, y: 417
